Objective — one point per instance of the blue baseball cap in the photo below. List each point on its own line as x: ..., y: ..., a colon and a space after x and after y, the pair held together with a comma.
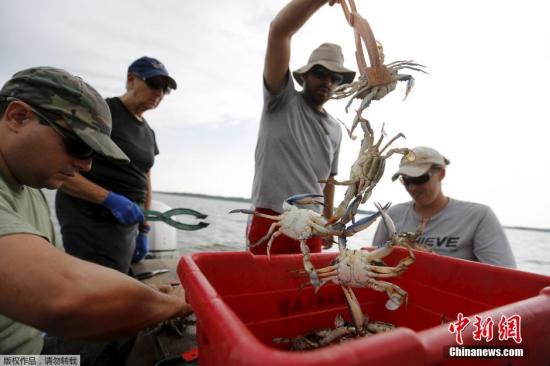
x: 148, y: 67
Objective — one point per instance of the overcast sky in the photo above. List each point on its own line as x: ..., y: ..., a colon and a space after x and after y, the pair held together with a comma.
x: 484, y: 104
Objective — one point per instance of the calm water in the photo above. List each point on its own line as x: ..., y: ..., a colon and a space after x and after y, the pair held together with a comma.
x: 227, y: 231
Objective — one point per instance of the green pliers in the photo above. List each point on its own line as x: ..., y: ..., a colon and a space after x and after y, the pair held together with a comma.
x: 151, y: 215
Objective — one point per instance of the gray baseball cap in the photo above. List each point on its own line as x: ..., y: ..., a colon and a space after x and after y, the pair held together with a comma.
x: 425, y: 158
x: 73, y: 100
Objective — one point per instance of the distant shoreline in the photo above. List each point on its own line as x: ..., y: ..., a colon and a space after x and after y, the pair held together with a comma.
x: 233, y: 199
x: 249, y: 200
x: 199, y: 195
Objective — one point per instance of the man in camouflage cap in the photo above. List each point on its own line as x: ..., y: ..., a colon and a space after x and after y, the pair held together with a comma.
x: 51, y: 124
x: 69, y: 100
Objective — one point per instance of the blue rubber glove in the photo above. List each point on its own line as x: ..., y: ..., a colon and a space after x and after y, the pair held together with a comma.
x: 125, y: 211
x: 142, y: 248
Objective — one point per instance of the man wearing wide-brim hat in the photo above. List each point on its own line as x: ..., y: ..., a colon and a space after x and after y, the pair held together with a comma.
x: 298, y: 142
x: 452, y: 227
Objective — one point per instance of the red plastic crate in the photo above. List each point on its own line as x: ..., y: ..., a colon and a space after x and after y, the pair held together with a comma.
x: 243, y: 301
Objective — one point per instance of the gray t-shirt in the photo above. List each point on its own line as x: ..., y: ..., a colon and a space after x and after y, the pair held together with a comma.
x: 297, y: 145
x: 462, y: 229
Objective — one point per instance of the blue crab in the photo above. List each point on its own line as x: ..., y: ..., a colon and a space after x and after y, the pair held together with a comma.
x: 302, y: 224
x: 366, y: 171
x: 378, y: 80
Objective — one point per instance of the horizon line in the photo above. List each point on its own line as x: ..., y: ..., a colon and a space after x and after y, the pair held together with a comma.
x: 243, y: 199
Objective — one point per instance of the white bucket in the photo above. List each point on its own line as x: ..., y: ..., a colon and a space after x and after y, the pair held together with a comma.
x: 163, y: 237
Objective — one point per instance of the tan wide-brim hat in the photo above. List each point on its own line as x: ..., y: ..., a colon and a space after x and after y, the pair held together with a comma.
x: 425, y: 158
x: 330, y: 56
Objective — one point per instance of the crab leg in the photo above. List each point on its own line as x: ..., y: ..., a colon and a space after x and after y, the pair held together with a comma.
x: 321, y: 229
x: 250, y: 212
x: 361, y: 224
x: 379, y: 271
x: 412, y: 66
x: 396, y: 295
x: 269, y: 233
x: 304, y: 199
x: 270, y: 242
x: 410, y: 83
x: 406, y: 63
x: 388, y: 222
x: 349, y: 215
x: 335, y: 334
x: 354, y: 308
x: 390, y: 142
x: 308, y: 266
x: 342, y: 207
x: 338, y: 182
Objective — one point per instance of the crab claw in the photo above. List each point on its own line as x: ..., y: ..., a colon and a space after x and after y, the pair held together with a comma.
x: 394, y: 302
x: 365, y: 222
x: 242, y: 210
x: 308, y: 266
x: 342, y: 243
x: 362, y: 224
x: 349, y: 214
x: 390, y: 226
x: 304, y: 199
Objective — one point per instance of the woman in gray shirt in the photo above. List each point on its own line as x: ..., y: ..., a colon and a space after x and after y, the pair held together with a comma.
x: 460, y: 229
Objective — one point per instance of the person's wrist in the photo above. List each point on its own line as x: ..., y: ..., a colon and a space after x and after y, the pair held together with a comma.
x: 144, y: 228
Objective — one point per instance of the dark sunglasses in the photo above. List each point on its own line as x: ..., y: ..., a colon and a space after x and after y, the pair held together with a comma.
x: 157, y: 84
x: 322, y: 73
x: 424, y: 178
x: 74, y: 144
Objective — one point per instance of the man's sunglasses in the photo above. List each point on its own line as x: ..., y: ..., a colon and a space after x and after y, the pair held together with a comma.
x: 322, y: 73
x: 424, y: 178
x: 158, y: 84
x: 74, y: 144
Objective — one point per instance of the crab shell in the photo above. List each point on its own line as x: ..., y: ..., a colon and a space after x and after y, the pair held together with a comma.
x: 297, y: 223
x: 352, y: 269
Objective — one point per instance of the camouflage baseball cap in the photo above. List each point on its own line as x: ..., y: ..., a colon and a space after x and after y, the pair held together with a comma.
x: 73, y: 100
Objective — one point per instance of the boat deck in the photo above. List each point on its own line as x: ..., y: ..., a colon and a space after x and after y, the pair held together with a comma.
x: 164, y: 346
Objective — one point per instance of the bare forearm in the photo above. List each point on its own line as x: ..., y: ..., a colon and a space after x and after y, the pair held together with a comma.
x: 123, y: 306
x: 65, y: 296
x: 82, y: 188
x: 287, y: 22
x: 293, y: 16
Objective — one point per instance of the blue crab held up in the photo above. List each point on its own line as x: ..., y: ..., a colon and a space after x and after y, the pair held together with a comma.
x: 366, y: 171
x: 377, y: 80
x: 302, y: 224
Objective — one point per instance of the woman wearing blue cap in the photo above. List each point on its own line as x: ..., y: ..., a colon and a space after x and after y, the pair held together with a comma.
x: 100, y: 211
